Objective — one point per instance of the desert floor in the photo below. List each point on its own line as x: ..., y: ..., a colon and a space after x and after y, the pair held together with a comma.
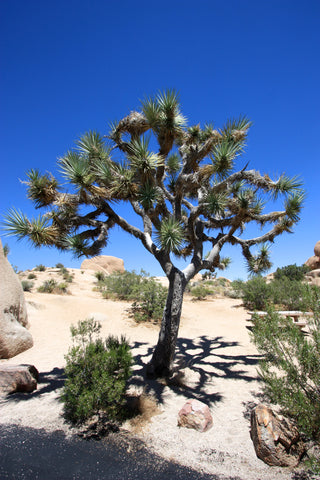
x: 219, y: 364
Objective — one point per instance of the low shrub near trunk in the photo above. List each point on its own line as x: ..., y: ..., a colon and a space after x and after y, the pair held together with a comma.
x: 97, y: 372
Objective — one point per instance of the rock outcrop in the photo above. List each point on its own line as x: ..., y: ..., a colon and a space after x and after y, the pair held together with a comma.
x: 276, y: 440
x: 14, y: 336
x: 103, y: 263
x: 195, y: 414
x: 18, y: 378
x: 313, y: 277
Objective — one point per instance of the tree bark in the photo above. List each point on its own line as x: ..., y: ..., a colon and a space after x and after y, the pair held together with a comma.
x: 163, y: 356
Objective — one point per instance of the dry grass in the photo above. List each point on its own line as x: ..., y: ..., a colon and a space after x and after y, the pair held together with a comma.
x: 144, y: 407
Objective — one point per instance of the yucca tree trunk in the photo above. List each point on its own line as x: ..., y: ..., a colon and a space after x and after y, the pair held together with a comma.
x: 163, y: 356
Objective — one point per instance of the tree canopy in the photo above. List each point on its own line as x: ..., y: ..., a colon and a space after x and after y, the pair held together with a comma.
x: 186, y: 185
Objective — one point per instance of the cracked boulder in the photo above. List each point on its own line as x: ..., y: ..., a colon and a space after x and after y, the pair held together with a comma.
x: 276, y: 440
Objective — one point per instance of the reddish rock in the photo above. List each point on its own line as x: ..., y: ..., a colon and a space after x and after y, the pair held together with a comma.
x: 276, y: 440
x: 195, y: 414
x: 103, y: 263
x: 18, y: 378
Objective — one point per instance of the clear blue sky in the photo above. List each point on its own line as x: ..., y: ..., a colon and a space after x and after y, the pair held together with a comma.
x: 73, y: 65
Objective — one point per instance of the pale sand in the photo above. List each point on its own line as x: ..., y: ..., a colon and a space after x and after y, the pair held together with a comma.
x: 221, y: 370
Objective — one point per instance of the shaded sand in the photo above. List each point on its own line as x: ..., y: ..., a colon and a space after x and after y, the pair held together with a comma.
x: 220, y: 365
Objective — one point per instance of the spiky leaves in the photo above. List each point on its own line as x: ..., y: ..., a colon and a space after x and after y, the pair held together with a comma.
x: 215, y: 203
x: 148, y: 195
x: 260, y: 262
x: 223, y: 156
x: 76, y: 169
x: 42, y: 189
x: 142, y: 161
x: 165, y: 118
x: 37, y: 230
x: 122, y: 185
x: 286, y: 185
x: 293, y: 206
x: 171, y: 236
x: 91, y: 145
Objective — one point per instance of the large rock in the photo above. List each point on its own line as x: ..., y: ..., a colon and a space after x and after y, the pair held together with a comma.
x: 276, y: 440
x: 313, y: 262
x: 103, y: 263
x: 18, y: 378
x: 195, y: 414
x: 317, y: 249
x: 14, y: 337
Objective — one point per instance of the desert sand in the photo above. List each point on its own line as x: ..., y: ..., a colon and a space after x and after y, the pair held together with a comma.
x: 215, y: 351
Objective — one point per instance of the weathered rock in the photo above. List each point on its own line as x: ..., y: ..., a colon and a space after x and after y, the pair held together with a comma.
x: 195, y: 414
x: 103, y: 263
x: 276, y: 440
x: 18, y: 378
x: 317, y: 249
x: 14, y: 337
x: 314, y: 273
x: 313, y: 262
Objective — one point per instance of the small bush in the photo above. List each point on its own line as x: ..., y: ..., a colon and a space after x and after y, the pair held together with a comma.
x: 48, y: 286
x: 122, y: 285
x: 289, y: 294
x: 6, y: 250
x: 100, y: 276
x: 150, y: 301
x: 255, y: 293
x: 27, y: 286
x: 97, y: 373
x: 40, y: 268
x: 199, y: 292
x: 291, y: 272
x: 32, y: 276
x: 291, y: 366
x: 66, y: 275
x: 59, y: 265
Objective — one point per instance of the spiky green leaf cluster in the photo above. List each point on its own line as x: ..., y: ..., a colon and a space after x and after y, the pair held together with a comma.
x: 42, y: 189
x: 170, y: 236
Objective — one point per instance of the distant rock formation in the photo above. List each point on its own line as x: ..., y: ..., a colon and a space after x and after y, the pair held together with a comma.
x: 14, y: 337
x: 313, y: 277
x: 103, y: 263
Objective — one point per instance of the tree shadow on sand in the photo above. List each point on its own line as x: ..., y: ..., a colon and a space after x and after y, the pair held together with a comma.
x: 198, y: 362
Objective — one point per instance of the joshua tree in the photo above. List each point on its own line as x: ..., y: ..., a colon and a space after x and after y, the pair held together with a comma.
x: 188, y: 195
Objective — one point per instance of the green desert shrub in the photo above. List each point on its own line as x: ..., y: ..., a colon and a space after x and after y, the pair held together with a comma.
x: 148, y: 295
x: 122, y: 286
x: 290, y: 368
x: 51, y: 286
x: 32, y: 276
x: 66, y: 275
x: 97, y: 372
x: 289, y: 294
x: 200, y: 291
x: 291, y: 272
x: 150, y: 298
x: 100, y: 276
x: 48, y: 286
x: 255, y: 293
x: 59, y: 265
x: 40, y: 268
x: 6, y: 250
x: 26, y: 285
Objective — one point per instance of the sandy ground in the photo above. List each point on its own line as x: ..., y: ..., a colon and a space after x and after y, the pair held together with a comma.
x: 214, y: 347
